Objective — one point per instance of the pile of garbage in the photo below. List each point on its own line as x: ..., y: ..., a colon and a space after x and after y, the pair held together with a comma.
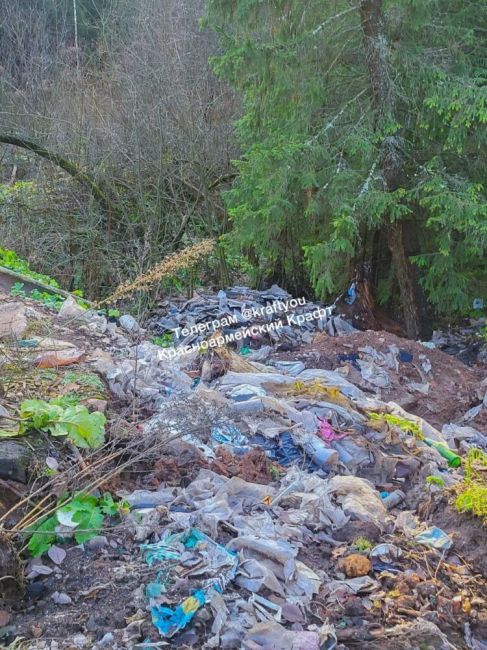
x: 467, y: 343
x: 292, y: 506
x: 191, y: 321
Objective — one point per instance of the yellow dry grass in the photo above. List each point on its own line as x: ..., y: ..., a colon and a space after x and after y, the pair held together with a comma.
x: 168, y: 267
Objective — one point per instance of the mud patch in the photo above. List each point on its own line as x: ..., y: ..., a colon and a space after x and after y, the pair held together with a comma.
x: 469, y: 535
x: 453, y: 386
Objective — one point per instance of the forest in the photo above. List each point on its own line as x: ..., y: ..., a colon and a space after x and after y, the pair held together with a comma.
x: 309, y: 139
x: 243, y: 324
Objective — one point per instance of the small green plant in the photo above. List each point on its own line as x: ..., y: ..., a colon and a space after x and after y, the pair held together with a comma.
x: 44, y: 297
x: 85, y: 379
x: 83, y: 513
x: 12, y: 261
x: 473, y: 492
x: 109, y: 313
x: 276, y: 472
x: 60, y: 417
x: 164, y: 341
x: 405, y: 425
x: 362, y: 544
x: 435, y: 480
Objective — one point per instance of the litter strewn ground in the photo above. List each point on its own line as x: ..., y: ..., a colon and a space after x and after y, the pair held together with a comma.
x: 296, y: 493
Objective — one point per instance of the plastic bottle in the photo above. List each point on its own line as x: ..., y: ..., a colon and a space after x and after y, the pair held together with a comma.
x: 393, y: 499
x: 453, y: 459
x: 222, y: 300
x: 321, y: 455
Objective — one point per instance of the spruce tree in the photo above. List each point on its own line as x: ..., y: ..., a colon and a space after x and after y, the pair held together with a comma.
x: 363, y: 137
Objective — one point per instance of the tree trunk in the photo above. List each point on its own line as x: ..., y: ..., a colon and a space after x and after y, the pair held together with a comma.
x: 405, y: 279
x: 391, y: 158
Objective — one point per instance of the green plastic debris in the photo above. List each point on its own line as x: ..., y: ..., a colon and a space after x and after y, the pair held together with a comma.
x: 453, y: 459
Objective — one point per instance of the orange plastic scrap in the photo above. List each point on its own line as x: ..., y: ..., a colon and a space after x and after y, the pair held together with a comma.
x: 59, y: 358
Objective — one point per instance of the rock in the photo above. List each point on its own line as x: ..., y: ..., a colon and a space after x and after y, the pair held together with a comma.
x: 96, y: 323
x: 36, y: 590
x: 128, y: 323
x: 97, y: 404
x: 61, y: 598
x: 355, y: 565
x: 13, y: 320
x: 96, y: 543
x: 57, y: 554
x: 71, y: 309
x: 15, y: 458
x: 52, y: 463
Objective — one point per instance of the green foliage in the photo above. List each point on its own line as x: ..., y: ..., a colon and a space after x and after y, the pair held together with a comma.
x: 43, y: 537
x: 362, y: 544
x: 12, y: 261
x: 85, y: 379
x: 310, y: 192
x: 435, y: 480
x: 405, y: 425
x: 84, y: 429
x: 164, y: 341
x: 49, y: 299
x: 9, y: 259
x: 473, y: 492
x: 85, y: 514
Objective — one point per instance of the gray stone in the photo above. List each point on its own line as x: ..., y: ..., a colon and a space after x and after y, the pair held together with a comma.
x: 15, y: 458
x: 13, y: 320
x: 128, y: 323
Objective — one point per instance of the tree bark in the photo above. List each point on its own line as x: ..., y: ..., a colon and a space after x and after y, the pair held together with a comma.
x: 391, y: 158
x: 71, y: 168
x: 404, y: 276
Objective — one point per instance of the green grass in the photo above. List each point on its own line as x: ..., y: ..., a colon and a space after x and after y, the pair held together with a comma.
x: 473, y: 493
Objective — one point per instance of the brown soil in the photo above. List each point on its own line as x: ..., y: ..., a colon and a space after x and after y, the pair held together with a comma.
x: 469, y: 535
x: 101, y: 585
x: 254, y: 466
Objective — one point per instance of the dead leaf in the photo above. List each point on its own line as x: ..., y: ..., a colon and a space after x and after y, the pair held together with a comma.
x: 61, y: 358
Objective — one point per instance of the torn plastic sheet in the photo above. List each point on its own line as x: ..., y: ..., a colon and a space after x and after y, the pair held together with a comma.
x: 272, y: 563
x: 228, y: 434
x: 271, y: 634
x: 332, y: 378
x: 284, y: 451
x: 435, y: 538
x: 265, y: 610
x: 216, y: 567
x: 373, y: 374
x: 327, y: 433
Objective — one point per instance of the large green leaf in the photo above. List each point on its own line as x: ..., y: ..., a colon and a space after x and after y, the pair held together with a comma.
x: 85, y: 429
x: 90, y: 523
x: 43, y: 537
